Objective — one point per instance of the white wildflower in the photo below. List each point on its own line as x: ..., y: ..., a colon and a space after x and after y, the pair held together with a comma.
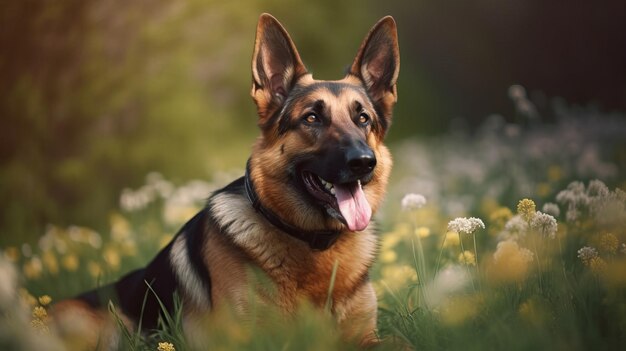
x: 27, y: 251
x: 597, y: 188
x: 131, y: 200
x: 551, y: 209
x: 516, y: 226
x: 620, y: 194
x: 465, y: 225
x: 565, y: 197
x: 545, y: 224
x: 517, y: 92
x: 413, y: 201
x: 528, y: 255
x: 161, y: 186
x: 574, y: 196
x: 609, y: 209
x: 572, y: 214
x: 447, y: 282
x: 587, y: 253
x: 8, y: 277
x: 576, y: 187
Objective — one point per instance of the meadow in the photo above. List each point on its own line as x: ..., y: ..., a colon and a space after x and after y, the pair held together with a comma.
x: 511, y: 236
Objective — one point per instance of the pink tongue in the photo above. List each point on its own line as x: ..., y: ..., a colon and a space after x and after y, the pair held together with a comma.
x: 353, y: 206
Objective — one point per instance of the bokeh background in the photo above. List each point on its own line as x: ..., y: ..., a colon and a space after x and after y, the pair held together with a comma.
x: 118, y: 119
x: 94, y: 95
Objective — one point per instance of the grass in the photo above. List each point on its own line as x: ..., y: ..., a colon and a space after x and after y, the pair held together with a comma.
x: 517, y: 284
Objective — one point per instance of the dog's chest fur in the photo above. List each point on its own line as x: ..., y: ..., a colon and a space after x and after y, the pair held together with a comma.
x: 296, y: 271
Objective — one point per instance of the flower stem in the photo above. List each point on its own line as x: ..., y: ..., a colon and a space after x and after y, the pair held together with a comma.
x: 443, y: 242
x: 538, y: 264
x: 562, y: 261
x: 465, y: 264
x: 420, y: 263
x: 476, y: 258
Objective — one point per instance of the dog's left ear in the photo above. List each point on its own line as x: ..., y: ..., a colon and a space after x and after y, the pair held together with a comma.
x: 377, y: 63
x: 276, y: 65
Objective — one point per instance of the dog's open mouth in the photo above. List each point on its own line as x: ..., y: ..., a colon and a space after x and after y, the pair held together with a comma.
x: 346, y: 202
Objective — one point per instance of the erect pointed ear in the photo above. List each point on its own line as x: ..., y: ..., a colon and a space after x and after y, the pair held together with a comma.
x: 378, y: 62
x: 276, y: 65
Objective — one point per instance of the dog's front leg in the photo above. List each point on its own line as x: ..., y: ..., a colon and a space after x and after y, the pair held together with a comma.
x: 357, y: 316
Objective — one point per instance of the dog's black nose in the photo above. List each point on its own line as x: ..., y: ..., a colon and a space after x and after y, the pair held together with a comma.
x: 361, y: 161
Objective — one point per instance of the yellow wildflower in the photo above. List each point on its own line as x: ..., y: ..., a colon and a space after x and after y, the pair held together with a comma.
x: 531, y: 312
x: 422, y: 232
x: 459, y: 309
x: 70, y: 262
x: 499, y: 217
x: 120, y: 227
x: 403, y: 230
x: 12, y: 254
x: 555, y: 173
x: 597, y: 265
x: 489, y: 205
x: 29, y: 299
x: 128, y: 248
x: 467, y: 258
x: 526, y: 208
x: 112, y: 258
x: 94, y: 269
x: 543, y: 189
x: 388, y: 256
x: 615, y: 274
x: 397, y: 276
x: 39, y: 326
x: 510, y: 262
x: 608, y: 243
x: 32, y: 268
x: 45, y: 300
x: 451, y: 240
x: 40, y: 313
x: 166, y: 346
x: 50, y: 262
x: 390, y: 240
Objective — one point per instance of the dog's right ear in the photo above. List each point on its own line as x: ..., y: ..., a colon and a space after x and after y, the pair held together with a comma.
x: 276, y: 65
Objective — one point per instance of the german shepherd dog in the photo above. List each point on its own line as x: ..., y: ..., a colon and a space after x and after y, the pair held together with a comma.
x: 302, y: 210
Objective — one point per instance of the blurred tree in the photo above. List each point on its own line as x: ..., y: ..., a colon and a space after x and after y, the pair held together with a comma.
x: 97, y: 94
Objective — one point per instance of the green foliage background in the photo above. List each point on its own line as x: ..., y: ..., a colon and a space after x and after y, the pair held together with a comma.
x: 97, y: 94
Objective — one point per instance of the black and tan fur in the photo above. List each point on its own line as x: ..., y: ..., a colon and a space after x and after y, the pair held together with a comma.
x: 333, y: 129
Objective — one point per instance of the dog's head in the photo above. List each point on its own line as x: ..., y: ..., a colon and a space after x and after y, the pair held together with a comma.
x: 320, y: 161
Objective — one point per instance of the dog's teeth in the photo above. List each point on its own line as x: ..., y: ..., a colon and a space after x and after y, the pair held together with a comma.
x: 322, y: 181
x: 358, y: 182
x: 332, y: 190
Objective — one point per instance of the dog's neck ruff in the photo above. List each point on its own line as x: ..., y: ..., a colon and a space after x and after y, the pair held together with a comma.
x: 317, y: 239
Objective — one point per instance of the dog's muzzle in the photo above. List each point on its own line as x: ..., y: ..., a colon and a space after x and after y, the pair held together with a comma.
x: 335, y: 179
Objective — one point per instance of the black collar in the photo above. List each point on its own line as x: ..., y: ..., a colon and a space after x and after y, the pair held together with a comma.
x: 317, y: 239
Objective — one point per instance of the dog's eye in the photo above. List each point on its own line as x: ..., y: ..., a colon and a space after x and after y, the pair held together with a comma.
x: 311, y: 118
x: 364, y: 118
